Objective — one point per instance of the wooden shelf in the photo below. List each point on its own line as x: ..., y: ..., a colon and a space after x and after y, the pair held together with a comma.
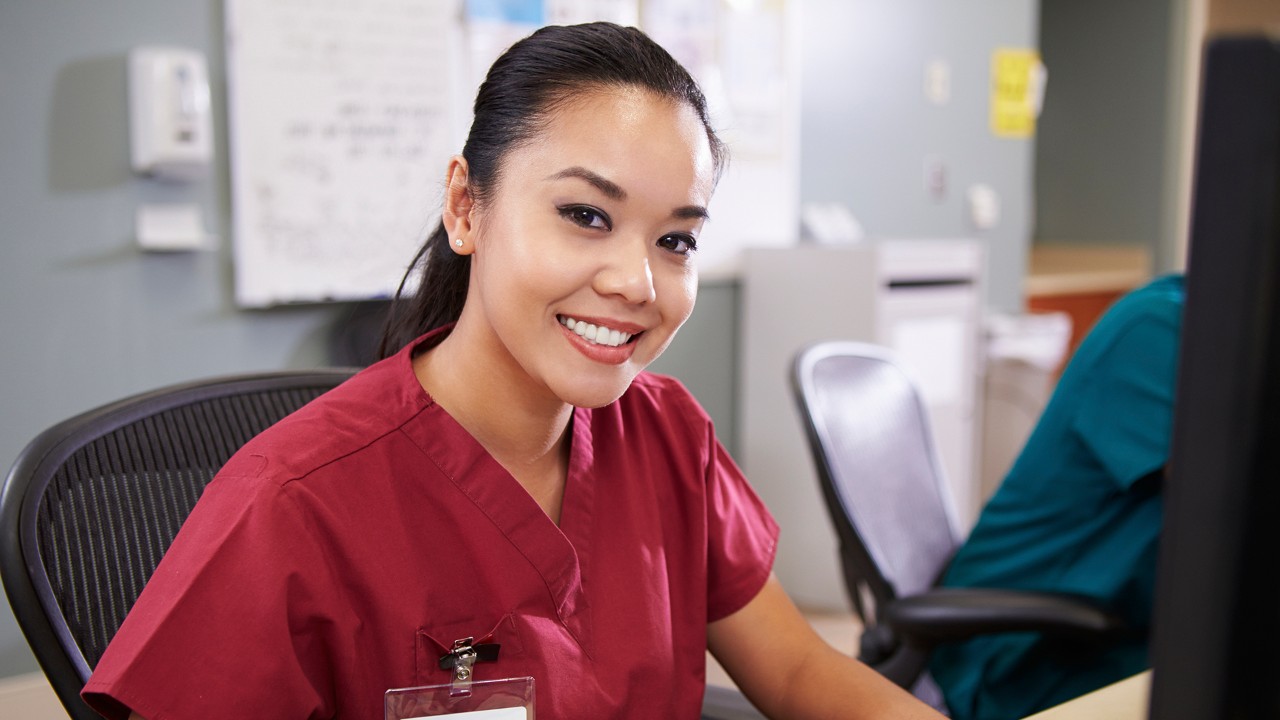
x: 1083, y: 280
x: 1074, y: 269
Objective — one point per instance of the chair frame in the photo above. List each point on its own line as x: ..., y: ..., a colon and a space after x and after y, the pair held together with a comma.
x: 22, y: 569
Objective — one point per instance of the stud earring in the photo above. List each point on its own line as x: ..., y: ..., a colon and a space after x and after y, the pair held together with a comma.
x: 458, y: 242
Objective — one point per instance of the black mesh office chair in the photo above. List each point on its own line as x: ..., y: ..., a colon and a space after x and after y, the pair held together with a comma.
x: 887, y: 498
x: 92, y: 504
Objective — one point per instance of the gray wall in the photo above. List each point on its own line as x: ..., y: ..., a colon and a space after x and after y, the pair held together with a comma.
x: 86, y: 317
x: 1105, y: 156
x: 867, y: 128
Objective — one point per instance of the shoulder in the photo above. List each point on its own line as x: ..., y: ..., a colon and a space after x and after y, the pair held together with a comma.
x: 340, y: 423
x: 1145, y: 322
x: 1159, y: 302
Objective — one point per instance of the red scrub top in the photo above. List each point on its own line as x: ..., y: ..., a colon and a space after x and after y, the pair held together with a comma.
x: 340, y: 554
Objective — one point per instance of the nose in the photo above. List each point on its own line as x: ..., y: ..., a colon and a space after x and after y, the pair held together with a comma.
x: 627, y: 274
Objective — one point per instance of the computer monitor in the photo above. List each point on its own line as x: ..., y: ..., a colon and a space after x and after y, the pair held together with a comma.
x: 1215, y: 648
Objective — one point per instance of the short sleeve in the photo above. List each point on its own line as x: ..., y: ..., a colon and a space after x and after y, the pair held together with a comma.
x: 742, y: 537
x: 225, y: 625
x: 1125, y: 415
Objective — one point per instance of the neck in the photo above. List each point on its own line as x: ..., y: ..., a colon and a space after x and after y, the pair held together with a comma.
x: 525, y: 430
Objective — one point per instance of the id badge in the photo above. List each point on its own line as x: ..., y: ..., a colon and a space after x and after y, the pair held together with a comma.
x: 465, y: 698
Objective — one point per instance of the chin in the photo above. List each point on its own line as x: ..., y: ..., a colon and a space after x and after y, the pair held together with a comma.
x: 595, y: 394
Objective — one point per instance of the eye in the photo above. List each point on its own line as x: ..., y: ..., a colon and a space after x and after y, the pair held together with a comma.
x: 678, y: 243
x: 585, y: 216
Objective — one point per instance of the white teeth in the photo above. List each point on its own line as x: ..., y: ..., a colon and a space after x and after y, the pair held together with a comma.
x: 596, y: 334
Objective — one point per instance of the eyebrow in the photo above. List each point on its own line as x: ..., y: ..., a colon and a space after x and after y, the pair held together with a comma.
x: 611, y: 189
x: 614, y: 191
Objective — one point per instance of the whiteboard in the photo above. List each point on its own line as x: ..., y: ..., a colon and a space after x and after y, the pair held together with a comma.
x: 341, y: 123
x: 342, y: 116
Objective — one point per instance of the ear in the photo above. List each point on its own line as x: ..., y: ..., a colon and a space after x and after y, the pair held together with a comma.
x: 458, y: 208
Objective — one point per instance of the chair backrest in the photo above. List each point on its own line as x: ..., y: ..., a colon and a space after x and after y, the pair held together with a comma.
x: 883, y: 485
x: 92, y: 503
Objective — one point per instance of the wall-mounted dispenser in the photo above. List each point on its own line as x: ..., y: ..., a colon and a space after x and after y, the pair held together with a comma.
x: 170, y: 131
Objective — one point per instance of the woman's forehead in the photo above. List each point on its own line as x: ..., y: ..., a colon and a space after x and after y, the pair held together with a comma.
x: 623, y: 134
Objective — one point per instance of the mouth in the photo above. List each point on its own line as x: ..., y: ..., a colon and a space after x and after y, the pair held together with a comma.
x: 598, y: 334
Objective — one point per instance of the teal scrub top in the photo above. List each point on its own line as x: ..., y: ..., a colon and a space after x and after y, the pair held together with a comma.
x: 1079, y: 512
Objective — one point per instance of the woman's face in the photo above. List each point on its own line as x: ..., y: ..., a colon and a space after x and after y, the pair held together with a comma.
x: 583, y: 257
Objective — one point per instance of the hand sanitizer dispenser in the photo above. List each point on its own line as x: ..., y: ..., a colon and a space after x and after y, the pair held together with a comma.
x: 169, y: 125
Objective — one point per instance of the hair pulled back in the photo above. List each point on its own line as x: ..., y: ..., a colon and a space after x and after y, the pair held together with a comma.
x: 517, y: 99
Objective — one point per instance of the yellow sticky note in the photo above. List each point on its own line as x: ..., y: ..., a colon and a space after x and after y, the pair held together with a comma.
x: 1015, y: 78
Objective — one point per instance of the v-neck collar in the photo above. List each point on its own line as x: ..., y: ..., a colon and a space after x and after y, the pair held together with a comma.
x: 560, y: 554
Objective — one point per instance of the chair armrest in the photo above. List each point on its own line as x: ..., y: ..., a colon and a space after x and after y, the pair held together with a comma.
x: 959, y: 613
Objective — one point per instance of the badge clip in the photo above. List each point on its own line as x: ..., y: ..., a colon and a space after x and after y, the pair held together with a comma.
x: 462, y: 660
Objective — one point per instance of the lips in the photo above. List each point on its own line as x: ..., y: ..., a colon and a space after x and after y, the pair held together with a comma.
x: 596, y: 334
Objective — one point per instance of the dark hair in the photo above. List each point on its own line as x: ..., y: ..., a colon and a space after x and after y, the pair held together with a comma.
x: 534, y: 77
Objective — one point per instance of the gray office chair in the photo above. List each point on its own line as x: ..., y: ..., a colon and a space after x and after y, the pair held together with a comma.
x: 886, y: 495
x: 92, y: 504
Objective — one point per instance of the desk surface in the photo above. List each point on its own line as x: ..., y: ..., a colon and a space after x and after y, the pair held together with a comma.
x: 1125, y: 700
x: 30, y: 696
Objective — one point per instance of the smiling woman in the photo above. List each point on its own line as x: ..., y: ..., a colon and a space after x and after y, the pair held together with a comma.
x: 525, y: 90
x: 508, y: 479
x: 594, y: 223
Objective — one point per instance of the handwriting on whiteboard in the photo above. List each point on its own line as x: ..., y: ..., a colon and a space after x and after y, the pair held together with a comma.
x: 340, y: 122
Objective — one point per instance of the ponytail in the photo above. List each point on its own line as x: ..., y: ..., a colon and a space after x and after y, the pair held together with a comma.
x: 442, y: 289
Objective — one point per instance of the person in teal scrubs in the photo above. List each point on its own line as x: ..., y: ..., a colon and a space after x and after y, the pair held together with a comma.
x: 1079, y: 512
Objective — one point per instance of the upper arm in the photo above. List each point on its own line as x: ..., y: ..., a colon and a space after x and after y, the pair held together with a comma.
x: 1125, y: 416
x: 756, y: 642
x: 191, y: 613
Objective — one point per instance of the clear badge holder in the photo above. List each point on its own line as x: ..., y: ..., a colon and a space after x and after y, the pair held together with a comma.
x: 465, y: 698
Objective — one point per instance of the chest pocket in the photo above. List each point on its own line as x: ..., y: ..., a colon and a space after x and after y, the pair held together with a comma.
x: 435, y: 641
